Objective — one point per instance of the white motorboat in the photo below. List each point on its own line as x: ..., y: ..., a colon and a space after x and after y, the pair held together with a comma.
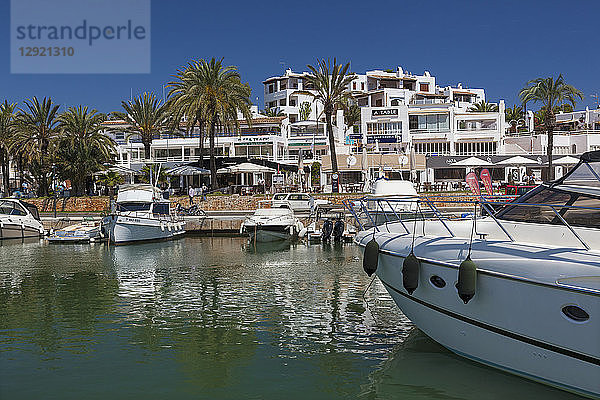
x: 518, y: 289
x: 141, y: 214
x: 271, y: 224
x: 86, y: 231
x: 19, y: 219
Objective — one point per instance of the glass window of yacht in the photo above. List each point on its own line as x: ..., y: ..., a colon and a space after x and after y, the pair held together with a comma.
x: 11, y: 208
x: 160, y: 208
x: 562, y: 201
x: 130, y: 206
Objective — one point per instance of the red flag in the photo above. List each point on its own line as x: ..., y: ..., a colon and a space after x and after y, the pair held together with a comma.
x: 487, y: 181
x: 473, y: 183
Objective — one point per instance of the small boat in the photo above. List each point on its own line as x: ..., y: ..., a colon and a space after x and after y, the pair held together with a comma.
x: 19, y: 219
x: 327, y: 226
x: 142, y: 214
x: 86, y: 231
x: 517, y: 289
x: 271, y: 224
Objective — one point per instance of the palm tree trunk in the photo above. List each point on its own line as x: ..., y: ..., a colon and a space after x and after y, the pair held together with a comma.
x: 5, y: 171
x: 147, y: 145
x: 334, y: 166
x: 213, y: 164
x: 550, y: 132
x: 201, y: 159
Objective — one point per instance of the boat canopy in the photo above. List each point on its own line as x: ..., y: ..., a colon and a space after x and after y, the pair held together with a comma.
x: 141, y: 193
x: 272, y: 212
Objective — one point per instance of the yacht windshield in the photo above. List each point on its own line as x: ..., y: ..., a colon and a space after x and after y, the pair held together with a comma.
x: 133, y: 206
x: 578, y: 209
x: 11, y: 208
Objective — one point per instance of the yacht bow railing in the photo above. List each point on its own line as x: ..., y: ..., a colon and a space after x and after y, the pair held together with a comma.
x: 374, y: 212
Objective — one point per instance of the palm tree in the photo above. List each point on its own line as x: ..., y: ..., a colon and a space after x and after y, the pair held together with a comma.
x: 7, y: 130
x: 83, y: 149
x: 222, y: 95
x: 185, y: 100
x: 330, y: 82
x: 550, y: 92
x: 305, y: 110
x: 483, y: 106
x: 110, y: 179
x: 273, y: 112
x: 513, y: 116
x: 36, y: 138
x: 147, y: 116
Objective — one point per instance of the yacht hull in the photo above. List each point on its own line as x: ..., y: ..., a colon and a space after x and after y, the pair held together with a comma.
x: 123, y: 229
x: 16, y: 231
x: 268, y: 233
x: 512, y: 323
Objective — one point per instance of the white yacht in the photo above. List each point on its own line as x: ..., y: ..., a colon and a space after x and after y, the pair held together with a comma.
x: 518, y: 289
x: 271, y: 224
x: 19, y: 219
x: 141, y: 213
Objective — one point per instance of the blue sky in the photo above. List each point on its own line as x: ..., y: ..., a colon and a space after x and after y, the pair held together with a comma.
x: 497, y: 45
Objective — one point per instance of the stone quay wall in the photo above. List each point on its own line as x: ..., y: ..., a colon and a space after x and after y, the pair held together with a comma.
x: 217, y: 203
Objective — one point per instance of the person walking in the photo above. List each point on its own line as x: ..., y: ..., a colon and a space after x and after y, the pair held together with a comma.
x: 191, y: 192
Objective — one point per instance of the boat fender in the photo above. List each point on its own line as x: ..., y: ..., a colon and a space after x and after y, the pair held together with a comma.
x: 371, y: 257
x: 302, y: 232
x: 410, y: 273
x: 467, y: 279
x: 292, y: 229
x: 242, y: 228
x: 162, y: 227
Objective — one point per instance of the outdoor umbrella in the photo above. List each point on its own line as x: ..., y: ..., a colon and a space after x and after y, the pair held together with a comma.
x: 472, y: 162
x: 187, y: 170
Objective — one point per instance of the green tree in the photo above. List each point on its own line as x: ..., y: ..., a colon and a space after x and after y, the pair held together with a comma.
x: 305, y: 110
x: 110, y: 180
x: 223, y: 94
x: 513, y: 116
x: 330, y: 82
x: 483, y: 106
x: 155, y: 171
x: 7, y: 131
x: 83, y: 148
x: 147, y: 116
x: 36, y: 137
x: 550, y: 92
x: 351, y: 114
x: 186, y: 101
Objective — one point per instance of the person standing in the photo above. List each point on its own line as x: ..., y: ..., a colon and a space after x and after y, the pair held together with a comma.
x: 191, y: 192
x: 204, y: 190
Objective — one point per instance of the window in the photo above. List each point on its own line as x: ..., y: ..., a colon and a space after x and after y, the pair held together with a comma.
x: 429, y: 123
x: 545, y: 215
x: 161, y: 208
x: 11, y: 208
x: 280, y: 196
x: 282, y: 102
x: 353, y: 85
x: 133, y: 206
x: 424, y: 87
x: 384, y: 128
x: 362, y: 86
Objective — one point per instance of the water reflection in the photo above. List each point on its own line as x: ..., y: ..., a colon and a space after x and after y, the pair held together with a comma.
x: 421, y: 368
x: 214, y: 317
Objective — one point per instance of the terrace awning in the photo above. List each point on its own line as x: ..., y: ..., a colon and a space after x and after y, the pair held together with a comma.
x: 517, y: 160
x: 566, y: 160
x: 472, y: 162
x: 245, y: 168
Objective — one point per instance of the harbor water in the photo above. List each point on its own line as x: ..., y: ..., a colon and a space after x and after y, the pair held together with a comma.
x: 218, y: 318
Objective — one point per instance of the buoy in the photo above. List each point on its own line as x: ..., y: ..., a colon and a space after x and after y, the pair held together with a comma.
x: 467, y: 279
x: 410, y: 272
x: 371, y: 257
